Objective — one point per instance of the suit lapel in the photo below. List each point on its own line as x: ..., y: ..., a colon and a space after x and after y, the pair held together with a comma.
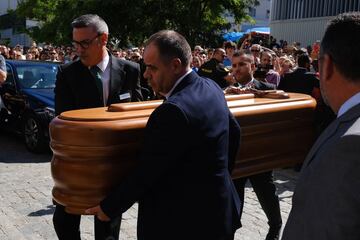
x: 116, y: 78
x: 350, y: 115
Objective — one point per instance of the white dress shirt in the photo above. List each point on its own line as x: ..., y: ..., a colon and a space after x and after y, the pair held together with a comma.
x: 105, y: 76
x: 351, y: 102
x: 167, y: 95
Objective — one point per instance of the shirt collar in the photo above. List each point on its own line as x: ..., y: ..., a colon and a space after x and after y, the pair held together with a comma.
x: 167, y: 95
x: 351, y: 102
x: 249, y: 84
x: 104, y: 63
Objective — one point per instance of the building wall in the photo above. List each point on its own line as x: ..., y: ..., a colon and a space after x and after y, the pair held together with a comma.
x: 305, y: 21
x: 306, y: 31
x: 261, y: 15
x: 5, y: 5
x: 9, y: 33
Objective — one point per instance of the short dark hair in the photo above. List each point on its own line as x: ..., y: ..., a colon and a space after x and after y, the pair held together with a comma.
x: 249, y: 56
x: 171, y: 44
x: 91, y: 20
x: 341, y: 43
x: 229, y: 44
x: 303, y: 59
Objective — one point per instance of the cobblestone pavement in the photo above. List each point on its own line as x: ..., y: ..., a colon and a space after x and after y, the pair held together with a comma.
x: 26, y: 207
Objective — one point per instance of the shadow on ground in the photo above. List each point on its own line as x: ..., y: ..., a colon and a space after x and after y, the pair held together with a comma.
x: 49, y: 211
x: 13, y: 150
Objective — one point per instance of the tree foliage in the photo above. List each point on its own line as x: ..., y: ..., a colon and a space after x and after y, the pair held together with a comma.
x: 132, y: 21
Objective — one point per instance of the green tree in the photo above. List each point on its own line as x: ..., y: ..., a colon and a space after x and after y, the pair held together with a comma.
x: 132, y: 21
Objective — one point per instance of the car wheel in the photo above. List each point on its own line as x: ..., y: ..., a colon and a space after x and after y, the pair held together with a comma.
x: 34, y: 135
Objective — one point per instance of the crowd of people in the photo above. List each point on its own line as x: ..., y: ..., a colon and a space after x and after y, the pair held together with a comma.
x: 62, y: 54
x: 272, y: 59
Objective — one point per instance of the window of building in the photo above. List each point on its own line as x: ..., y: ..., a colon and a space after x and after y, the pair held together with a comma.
x: 252, y: 12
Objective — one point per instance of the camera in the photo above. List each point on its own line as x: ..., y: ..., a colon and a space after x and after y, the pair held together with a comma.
x: 261, y: 70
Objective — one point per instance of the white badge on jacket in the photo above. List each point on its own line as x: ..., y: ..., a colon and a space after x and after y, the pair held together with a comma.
x: 124, y: 96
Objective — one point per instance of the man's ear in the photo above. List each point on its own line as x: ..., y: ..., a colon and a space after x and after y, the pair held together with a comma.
x: 104, y: 38
x: 176, y: 65
x: 327, y: 67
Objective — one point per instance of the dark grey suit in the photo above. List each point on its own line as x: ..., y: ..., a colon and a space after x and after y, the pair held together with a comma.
x: 326, y: 202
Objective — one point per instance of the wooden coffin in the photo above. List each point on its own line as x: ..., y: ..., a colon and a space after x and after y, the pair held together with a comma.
x: 94, y: 149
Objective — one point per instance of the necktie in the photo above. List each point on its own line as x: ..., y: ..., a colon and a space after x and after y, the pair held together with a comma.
x: 95, y: 70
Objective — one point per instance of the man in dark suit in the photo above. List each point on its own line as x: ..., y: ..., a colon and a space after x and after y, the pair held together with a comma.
x: 183, y: 184
x: 78, y: 86
x: 243, y: 67
x: 326, y: 201
x: 301, y: 80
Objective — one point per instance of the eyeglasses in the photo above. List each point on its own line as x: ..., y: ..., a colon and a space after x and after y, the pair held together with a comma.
x: 255, y: 50
x: 85, y: 44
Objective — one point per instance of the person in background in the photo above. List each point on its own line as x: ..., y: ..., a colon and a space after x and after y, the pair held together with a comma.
x: 266, y: 65
x: 198, y: 50
x: 196, y: 63
x: 2, y: 70
x: 301, y: 80
x: 255, y: 50
x: 215, y: 70
x: 326, y: 200
x: 286, y: 66
x: 230, y: 48
x: 209, y: 53
x: 243, y: 66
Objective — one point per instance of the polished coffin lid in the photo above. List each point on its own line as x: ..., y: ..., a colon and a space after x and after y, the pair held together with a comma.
x: 95, y: 148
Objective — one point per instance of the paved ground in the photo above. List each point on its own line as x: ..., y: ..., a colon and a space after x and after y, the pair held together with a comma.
x: 26, y: 208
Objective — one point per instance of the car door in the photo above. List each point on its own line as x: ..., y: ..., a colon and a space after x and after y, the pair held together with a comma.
x: 13, y: 102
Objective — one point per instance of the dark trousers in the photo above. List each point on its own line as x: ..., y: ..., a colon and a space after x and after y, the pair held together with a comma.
x: 264, y: 187
x: 67, y: 226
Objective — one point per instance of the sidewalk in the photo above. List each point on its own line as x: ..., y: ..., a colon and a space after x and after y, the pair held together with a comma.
x: 26, y: 208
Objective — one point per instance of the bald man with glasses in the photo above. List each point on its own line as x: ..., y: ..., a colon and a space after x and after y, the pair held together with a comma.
x: 96, y: 79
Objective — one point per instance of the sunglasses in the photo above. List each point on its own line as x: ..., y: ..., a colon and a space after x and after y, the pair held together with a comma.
x: 255, y: 50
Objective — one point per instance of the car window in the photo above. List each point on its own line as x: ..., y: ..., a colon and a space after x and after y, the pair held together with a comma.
x: 37, y: 76
x: 9, y: 76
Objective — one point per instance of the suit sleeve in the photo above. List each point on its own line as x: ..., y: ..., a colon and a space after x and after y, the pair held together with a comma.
x: 282, y: 84
x: 234, y: 140
x: 161, y: 152
x: 64, y: 100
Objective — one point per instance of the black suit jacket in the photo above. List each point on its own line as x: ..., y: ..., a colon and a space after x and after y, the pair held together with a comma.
x: 183, y: 184
x: 76, y: 89
x: 263, y: 85
x: 299, y: 81
x: 259, y: 85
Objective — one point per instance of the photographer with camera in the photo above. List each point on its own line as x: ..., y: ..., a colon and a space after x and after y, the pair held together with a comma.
x: 264, y: 71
